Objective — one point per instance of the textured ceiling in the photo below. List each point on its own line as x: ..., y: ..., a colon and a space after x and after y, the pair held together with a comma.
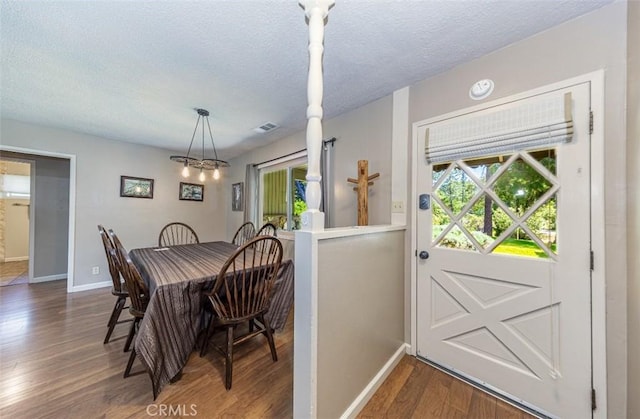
x: 134, y: 71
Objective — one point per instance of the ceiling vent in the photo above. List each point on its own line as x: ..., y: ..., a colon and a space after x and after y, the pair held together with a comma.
x: 266, y: 127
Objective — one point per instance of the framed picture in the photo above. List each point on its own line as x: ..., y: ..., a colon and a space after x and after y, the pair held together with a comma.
x: 136, y: 187
x: 191, y: 192
x: 237, y: 196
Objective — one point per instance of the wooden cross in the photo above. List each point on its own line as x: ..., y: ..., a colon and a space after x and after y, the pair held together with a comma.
x: 363, y: 182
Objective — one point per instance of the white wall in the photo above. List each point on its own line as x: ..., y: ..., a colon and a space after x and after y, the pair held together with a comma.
x: 99, y: 164
x: 588, y: 43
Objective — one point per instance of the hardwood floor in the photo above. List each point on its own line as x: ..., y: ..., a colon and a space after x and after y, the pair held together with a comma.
x: 417, y: 390
x: 53, y: 365
x: 13, y: 273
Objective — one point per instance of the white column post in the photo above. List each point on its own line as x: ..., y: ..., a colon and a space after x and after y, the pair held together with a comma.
x: 316, y: 11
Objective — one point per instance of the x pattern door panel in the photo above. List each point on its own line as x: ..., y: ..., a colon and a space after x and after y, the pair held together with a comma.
x: 496, y: 316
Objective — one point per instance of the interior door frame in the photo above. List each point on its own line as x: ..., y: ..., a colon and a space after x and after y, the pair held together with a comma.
x: 598, y: 295
x: 72, y: 208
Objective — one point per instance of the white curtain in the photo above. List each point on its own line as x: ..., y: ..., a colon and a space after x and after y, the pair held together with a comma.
x: 536, y: 123
x: 251, y: 194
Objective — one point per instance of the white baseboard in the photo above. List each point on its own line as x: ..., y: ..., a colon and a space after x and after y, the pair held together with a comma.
x: 48, y: 278
x: 363, y: 398
x: 16, y: 259
x: 87, y: 287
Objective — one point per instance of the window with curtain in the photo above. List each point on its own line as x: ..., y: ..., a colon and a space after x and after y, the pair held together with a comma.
x: 275, y: 189
x: 282, y: 193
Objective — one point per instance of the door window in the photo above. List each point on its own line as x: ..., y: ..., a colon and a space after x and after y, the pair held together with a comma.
x: 499, y: 204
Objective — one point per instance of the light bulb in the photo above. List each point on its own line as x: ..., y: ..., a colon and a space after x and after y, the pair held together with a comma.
x: 201, y: 177
x: 185, y: 170
x: 216, y: 173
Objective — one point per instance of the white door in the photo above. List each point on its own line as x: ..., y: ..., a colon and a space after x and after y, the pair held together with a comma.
x: 503, y: 295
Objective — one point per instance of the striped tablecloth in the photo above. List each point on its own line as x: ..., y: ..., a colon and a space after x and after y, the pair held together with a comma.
x: 176, y: 277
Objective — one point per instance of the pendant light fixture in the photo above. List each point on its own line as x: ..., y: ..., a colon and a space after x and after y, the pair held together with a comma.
x: 201, y: 164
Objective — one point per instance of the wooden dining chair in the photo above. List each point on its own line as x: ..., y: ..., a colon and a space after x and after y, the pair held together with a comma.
x: 177, y: 233
x: 138, y: 294
x: 267, y: 230
x: 245, y: 232
x: 241, y: 294
x: 118, y: 289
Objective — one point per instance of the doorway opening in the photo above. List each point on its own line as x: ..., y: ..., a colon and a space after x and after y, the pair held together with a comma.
x: 49, y: 217
x: 15, y: 203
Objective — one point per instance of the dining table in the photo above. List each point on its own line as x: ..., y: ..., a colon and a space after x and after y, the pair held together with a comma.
x: 177, y: 277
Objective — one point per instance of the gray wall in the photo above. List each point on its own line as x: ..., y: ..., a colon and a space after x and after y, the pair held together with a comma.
x: 592, y: 42
x: 360, y: 314
x: 633, y: 208
x: 99, y: 164
x: 363, y: 134
x: 51, y: 217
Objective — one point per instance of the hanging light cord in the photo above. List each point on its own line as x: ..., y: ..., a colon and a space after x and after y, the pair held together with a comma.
x: 215, y: 153
x: 194, y: 136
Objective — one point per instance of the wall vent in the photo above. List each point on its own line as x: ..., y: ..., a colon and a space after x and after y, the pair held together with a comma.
x: 266, y: 127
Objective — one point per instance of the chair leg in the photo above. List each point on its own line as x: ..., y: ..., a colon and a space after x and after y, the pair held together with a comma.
x: 115, y: 315
x: 229, y: 358
x: 269, y: 335
x: 117, y: 308
x: 132, y: 332
x: 132, y: 357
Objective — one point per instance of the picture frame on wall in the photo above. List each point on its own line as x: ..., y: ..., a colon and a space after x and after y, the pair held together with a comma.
x: 136, y: 187
x: 191, y: 192
x: 237, y: 196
